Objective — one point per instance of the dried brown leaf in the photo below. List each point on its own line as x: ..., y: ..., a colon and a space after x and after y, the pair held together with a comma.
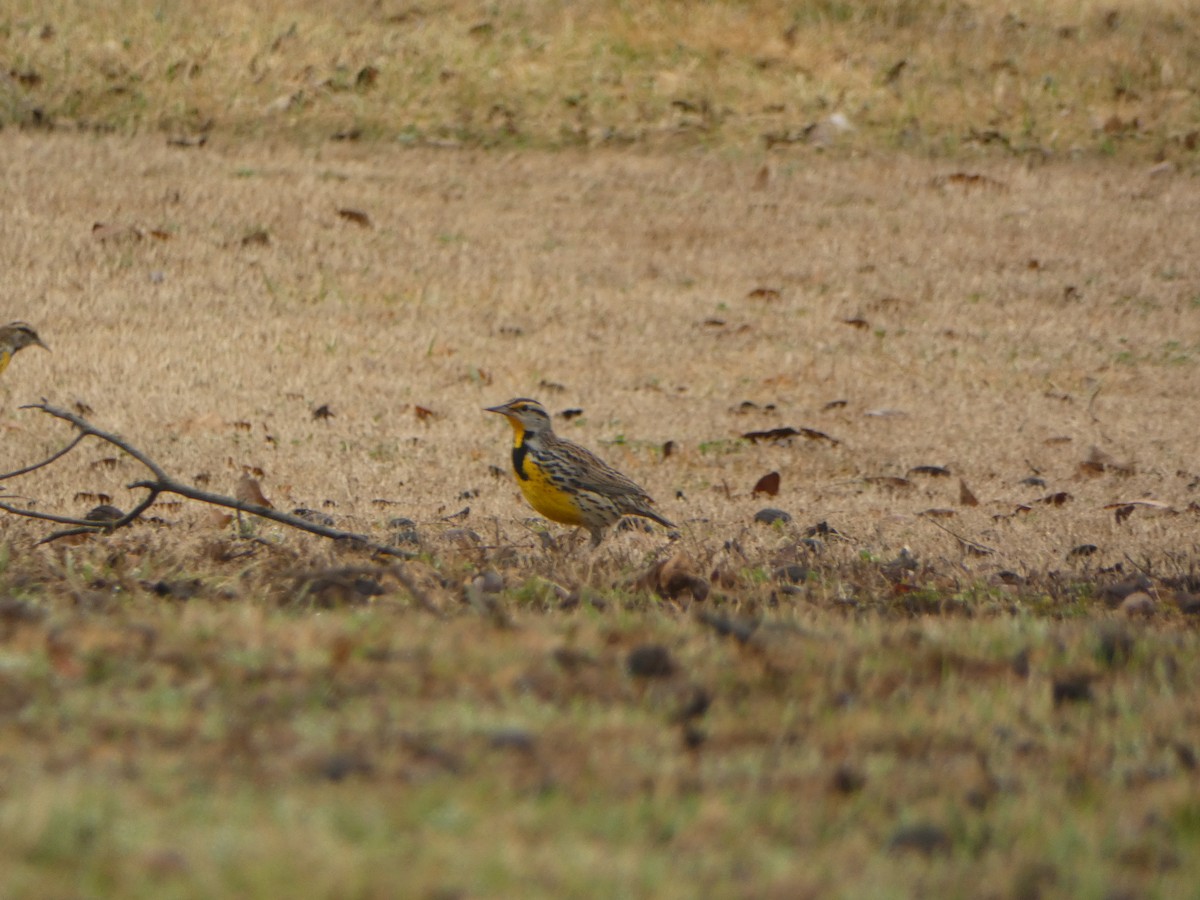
x: 357, y: 216
x: 249, y: 491
x: 764, y: 293
x: 768, y: 484
x: 773, y: 434
x: 966, y: 496
x: 1058, y: 498
x: 813, y: 435
x: 257, y: 238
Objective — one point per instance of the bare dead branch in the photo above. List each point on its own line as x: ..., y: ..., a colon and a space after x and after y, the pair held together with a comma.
x: 91, y: 526
x: 167, y: 485
x: 48, y: 517
x: 162, y: 483
x: 87, y: 428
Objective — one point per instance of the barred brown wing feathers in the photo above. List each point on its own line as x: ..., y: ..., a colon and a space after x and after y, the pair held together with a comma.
x: 590, y: 473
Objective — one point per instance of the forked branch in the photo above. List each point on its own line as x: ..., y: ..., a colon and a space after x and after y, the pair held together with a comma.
x: 162, y: 483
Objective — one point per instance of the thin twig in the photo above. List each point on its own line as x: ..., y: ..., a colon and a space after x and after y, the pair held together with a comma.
x: 88, y: 428
x: 162, y: 483
x: 48, y: 517
x: 978, y: 548
x: 90, y: 526
x: 166, y: 485
x: 45, y: 462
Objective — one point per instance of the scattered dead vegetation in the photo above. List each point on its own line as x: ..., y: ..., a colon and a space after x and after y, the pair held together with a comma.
x: 1029, y: 80
x: 955, y: 648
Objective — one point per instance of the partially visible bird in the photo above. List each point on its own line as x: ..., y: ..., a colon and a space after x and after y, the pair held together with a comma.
x: 16, y: 336
x: 565, y: 482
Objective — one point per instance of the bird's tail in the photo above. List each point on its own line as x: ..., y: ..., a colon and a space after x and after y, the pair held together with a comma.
x: 650, y: 514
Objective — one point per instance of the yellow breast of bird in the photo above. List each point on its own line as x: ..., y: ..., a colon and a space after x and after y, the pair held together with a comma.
x: 544, y: 495
x: 5, y: 356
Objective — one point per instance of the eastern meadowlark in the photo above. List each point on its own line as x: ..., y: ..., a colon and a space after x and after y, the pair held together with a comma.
x: 16, y: 336
x: 563, y: 481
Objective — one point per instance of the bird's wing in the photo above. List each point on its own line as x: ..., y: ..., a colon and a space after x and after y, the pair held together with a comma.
x: 591, y: 473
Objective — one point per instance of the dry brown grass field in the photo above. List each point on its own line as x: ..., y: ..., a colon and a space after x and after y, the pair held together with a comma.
x: 966, y: 663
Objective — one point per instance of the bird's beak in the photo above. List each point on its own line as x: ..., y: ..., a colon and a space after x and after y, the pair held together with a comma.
x: 39, y: 342
x: 502, y: 410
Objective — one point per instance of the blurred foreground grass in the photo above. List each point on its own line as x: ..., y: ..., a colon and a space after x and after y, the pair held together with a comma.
x: 168, y: 739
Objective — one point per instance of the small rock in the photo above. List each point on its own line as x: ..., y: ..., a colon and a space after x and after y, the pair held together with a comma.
x: 923, y: 837
x: 695, y: 705
x: 489, y: 581
x: 512, y: 739
x: 693, y: 736
x: 677, y: 577
x: 847, y: 780
x: 1186, y: 755
x: 1114, y: 594
x: 1189, y: 603
x: 770, y: 516
x: 1072, y: 688
x: 792, y: 574
x: 175, y: 590
x: 1138, y: 605
x: 650, y: 661
x: 13, y: 612
x: 341, y: 765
